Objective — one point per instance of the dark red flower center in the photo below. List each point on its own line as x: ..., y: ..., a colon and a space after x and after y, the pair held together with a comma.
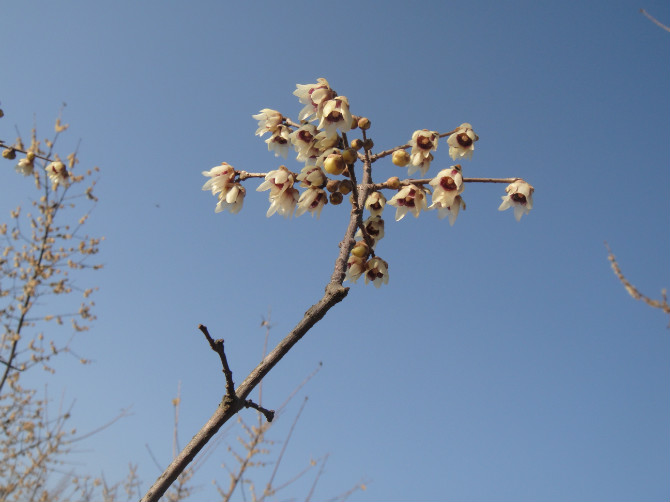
x: 464, y: 140
x: 519, y: 198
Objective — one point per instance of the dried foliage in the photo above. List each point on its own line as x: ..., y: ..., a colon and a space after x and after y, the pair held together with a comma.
x: 42, y: 306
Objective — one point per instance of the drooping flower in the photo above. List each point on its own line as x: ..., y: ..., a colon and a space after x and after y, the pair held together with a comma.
x: 423, y: 141
x: 25, y: 166
x: 232, y: 199
x: 335, y: 114
x: 375, y: 203
x: 355, y: 268
x: 279, y: 141
x: 462, y: 142
x: 268, y: 120
x: 304, y: 142
x: 324, y: 142
x: 447, y: 187
x: 277, y: 181
x: 376, y: 270
x: 283, y: 203
x: 520, y: 197
x: 312, y: 95
x: 374, y: 226
x: 311, y: 176
x: 57, y: 173
x: 221, y: 178
x: 409, y: 198
x: 312, y: 200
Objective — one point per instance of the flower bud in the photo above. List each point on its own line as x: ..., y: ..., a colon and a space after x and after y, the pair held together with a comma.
x: 349, y: 155
x: 2, y: 114
x: 357, y: 144
x: 354, y: 121
x: 9, y: 153
x: 334, y: 164
x: 364, y: 123
x: 336, y: 198
x: 30, y: 156
x: 401, y: 158
x: 368, y: 144
x: 361, y: 250
x: 393, y: 183
x: 333, y: 185
x: 345, y: 187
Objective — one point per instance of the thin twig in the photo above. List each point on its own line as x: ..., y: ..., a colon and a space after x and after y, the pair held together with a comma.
x: 654, y: 20
x: 633, y: 291
x: 217, y: 346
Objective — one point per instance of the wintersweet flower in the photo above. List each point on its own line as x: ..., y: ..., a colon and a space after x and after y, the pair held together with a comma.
x: 335, y: 115
x: 312, y: 200
x: 355, y: 268
x: 268, y: 120
x: 311, y: 176
x: 57, y: 173
x: 277, y: 181
x: 312, y: 95
x: 232, y: 199
x: 447, y: 187
x: 374, y: 226
x: 520, y: 197
x: 409, y: 198
x: 304, y: 142
x: 279, y: 141
x: 25, y: 166
x: 422, y: 142
x: 283, y: 203
x: 462, y: 142
x: 221, y: 178
x: 452, y: 209
x: 376, y: 270
x: 375, y: 203
x: 324, y: 142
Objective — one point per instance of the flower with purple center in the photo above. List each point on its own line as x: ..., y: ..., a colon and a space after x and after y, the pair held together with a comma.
x: 520, y: 197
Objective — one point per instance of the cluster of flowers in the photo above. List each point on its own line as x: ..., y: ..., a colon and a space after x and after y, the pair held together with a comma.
x: 56, y: 170
x: 319, y: 141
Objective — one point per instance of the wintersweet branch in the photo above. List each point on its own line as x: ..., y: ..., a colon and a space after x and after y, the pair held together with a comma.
x: 326, y: 147
x: 386, y: 153
x: 21, y: 150
x: 217, y: 346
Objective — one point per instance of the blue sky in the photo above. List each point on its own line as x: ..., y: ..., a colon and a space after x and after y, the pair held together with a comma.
x: 503, y: 361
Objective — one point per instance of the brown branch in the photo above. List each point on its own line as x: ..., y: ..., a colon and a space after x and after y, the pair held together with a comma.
x: 633, y: 291
x: 217, y: 346
x: 229, y: 406
x: 654, y: 20
x: 269, y: 414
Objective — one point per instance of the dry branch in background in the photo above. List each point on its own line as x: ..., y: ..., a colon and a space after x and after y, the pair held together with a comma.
x: 633, y: 291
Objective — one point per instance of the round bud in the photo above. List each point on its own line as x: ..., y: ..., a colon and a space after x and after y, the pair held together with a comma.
x: 360, y: 249
x: 368, y: 144
x: 400, y: 158
x: 393, y: 183
x: 2, y: 114
x: 9, y: 153
x: 354, y: 122
x: 336, y: 198
x: 30, y: 156
x: 334, y: 164
x: 333, y: 185
x: 349, y: 155
x: 345, y: 187
x: 364, y: 123
x: 357, y: 144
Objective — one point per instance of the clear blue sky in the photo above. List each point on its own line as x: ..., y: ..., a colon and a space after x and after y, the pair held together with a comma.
x: 502, y: 362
